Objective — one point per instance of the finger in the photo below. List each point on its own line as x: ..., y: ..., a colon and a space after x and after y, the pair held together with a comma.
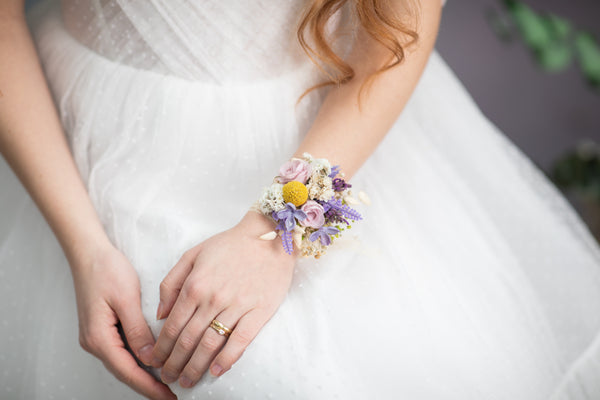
x: 183, y: 310
x: 184, y: 347
x: 244, y: 333
x: 208, y: 347
x: 122, y: 365
x: 137, y: 332
x: 108, y: 346
x: 172, y: 283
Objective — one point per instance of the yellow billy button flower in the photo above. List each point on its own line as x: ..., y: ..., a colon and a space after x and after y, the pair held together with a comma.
x: 295, y: 192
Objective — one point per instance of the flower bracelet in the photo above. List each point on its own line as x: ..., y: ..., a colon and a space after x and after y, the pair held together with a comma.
x: 310, y: 203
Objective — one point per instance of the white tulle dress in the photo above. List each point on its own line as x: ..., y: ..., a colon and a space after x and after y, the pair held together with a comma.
x: 469, y: 278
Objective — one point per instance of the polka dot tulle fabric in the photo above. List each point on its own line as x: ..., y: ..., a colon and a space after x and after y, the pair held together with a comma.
x: 470, y: 276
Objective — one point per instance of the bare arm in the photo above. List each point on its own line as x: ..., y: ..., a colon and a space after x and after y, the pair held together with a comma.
x: 34, y: 145
x: 347, y: 136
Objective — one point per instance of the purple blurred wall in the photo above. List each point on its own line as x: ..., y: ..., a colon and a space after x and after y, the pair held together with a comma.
x: 544, y: 114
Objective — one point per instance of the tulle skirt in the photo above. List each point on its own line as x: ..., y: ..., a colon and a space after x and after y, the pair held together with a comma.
x: 469, y: 278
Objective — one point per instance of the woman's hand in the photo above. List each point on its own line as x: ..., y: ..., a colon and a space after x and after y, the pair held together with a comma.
x: 233, y: 277
x: 108, y: 292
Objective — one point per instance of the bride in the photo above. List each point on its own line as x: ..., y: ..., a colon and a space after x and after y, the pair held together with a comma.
x: 140, y: 132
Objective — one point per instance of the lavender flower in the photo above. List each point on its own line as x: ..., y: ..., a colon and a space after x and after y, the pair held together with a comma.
x: 334, y: 217
x: 335, y: 211
x: 323, y: 234
x: 334, y: 171
x: 286, y: 240
x: 339, y: 185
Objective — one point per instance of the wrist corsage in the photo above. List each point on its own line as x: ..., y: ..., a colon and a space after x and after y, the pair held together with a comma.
x: 310, y: 203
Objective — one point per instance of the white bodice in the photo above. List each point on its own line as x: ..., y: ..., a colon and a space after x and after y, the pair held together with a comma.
x: 209, y: 40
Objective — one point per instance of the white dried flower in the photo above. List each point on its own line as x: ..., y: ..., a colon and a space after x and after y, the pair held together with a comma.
x: 268, y: 236
x: 351, y: 201
x: 297, y: 238
x: 312, y: 249
x: 272, y: 199
x: 320, y: 187
x: 364, y: 198
x: 307, y: 157
x: 321, y: 165
x: 299, y: 228
x: 326, y: 194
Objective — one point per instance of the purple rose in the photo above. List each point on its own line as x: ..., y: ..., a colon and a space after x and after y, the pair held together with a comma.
x: 315, y: 214
x: 294, y: 170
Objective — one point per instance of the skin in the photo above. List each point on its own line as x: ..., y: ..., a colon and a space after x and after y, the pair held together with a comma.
x: 232, y: 276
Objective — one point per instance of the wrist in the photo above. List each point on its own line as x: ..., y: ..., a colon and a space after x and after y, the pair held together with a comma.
x: 85, y: 247
x: 257, y: 222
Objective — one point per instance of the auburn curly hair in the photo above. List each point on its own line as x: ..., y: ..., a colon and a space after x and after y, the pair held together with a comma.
x: 378, y: 19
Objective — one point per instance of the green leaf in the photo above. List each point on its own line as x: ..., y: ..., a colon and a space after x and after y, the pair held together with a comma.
x: 554, y: 57
x: 588, y: 54
x: 533, y: 28
x: 559, y: 28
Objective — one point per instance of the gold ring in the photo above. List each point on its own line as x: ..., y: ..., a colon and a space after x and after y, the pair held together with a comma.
x: 220, y: 328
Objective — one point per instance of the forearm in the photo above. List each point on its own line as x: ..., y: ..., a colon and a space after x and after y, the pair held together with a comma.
x: 33, y: 143
x: 346, y: 135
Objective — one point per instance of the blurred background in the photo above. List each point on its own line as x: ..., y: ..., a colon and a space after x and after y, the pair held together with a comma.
x: 533, y: 67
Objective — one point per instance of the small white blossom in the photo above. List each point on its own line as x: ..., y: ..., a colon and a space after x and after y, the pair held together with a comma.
x: 312, y: 249
x: 320, y: 187
x: 307, y: 157
x: 321, y: 165
x: 272, y: 199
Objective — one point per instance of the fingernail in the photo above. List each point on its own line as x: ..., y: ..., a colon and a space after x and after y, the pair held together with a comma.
x: 146, y: 354
x: 159, y: 311
x: 216, y: 370
x: 156, y: 362
x: 166, y: 378
x: 185, y: 382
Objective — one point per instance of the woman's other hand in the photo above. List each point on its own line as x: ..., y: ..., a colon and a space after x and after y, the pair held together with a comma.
x: 33, y: 143
x: 108, y: 291
x: 233, y: 277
